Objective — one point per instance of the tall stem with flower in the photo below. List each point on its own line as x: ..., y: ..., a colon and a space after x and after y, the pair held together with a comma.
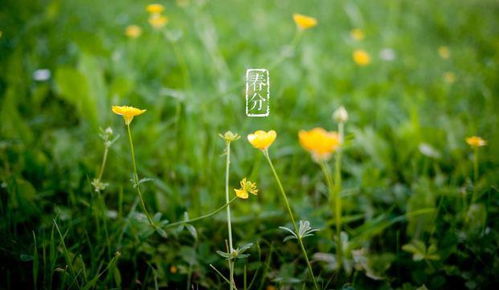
x: 322, y: 144
x: 262, y: 140
x: 475, y: 143
x: 228, y: 138
x: 128, y: 114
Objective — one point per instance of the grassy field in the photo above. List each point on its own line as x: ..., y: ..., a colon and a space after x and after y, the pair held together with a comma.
x: 409, y: 205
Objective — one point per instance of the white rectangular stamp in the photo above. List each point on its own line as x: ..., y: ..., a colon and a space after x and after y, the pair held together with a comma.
x: 257, y: 92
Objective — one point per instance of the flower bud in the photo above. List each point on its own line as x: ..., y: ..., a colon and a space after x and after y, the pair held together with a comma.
x: 340, y: 115
x: 229, y: 136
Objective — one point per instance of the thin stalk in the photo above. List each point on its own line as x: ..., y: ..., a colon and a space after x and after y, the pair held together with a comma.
x: 103, y: 163
x: 329, y: 180
x: 475, y: 164
x: 100, y: 197
x: 229, y: 225
x: 136, y: 178
x: 201, y: 217
x: 338, y: 205
x: 475, y: 174
x: 286, y: 202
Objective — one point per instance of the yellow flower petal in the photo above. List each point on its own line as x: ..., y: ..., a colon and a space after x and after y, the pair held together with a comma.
x: 158, y: 21
x: 246, y: 187
x: 241, y: 193
x: 357, y: 34
x: 155, y: 8
x: 133, y: 31
x: 127, y: 112
x: 304, y: 22
x: 261, y: 139
x: 361, y: 57
x: 319, y: 142
x: 476, y: 141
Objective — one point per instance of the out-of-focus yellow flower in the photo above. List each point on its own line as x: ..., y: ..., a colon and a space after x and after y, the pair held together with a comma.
x: 270, y: 287
x: 319, y: 142
x: 449, y: 77
x: 444, y: 52
x: 133, y: 31
x: 261, y: 139
x: 1, y: 33
x: 476, y: 141
x: 361, y: 57
x: 158, y: 21
x: 304, y: 22
x: 155, y: 8
x: 246, y: 187
x: 173, y: 269
x: 127, y: 112
x: 357, y: 34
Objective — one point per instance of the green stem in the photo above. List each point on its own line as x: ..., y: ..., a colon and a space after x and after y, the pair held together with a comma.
x: 475, y: 174
x: 286, y: 202
x: 229, y: 225
x: 136, y: 178
x: 338, y: 202
x: 201, y: 217
x: 103, y: 164
x: 329, y: 180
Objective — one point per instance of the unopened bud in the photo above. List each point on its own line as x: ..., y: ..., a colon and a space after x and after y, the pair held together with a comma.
x: 229, y: 136
x: 340, y: 115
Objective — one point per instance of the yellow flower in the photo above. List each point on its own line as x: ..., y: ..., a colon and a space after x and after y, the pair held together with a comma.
x: 304, y: 22
x: 173, y: 269
x: 133, y: 31
x: 319, y: 142
x: 357, y: 34
x: 127, y: 112
x: 261, y: 139
x: 361, y: 57
x: 246, y: 187
x: 157, y: 21
x: 444, y: 52
x: 449, y: 77
x: 476, y: 141
x: 155, y: 8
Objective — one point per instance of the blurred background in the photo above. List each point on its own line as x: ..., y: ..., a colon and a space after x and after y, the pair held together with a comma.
x: 426, y: 78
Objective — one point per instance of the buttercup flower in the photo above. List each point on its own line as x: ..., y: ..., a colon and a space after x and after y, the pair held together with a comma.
x: 246, y: 187
x: 304, y: 22
x: 155, y: 8
x: 319, y: 142
x: 357, y: 34
x: 157, y: 21
x: 444, y: 52
x: 127, y: 112
x: 476, y: 141
x: 133, y: 31
x: 261, y: 139
x: 361, y: 57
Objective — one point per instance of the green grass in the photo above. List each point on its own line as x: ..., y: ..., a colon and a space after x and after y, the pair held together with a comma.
x: 408, y: 218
